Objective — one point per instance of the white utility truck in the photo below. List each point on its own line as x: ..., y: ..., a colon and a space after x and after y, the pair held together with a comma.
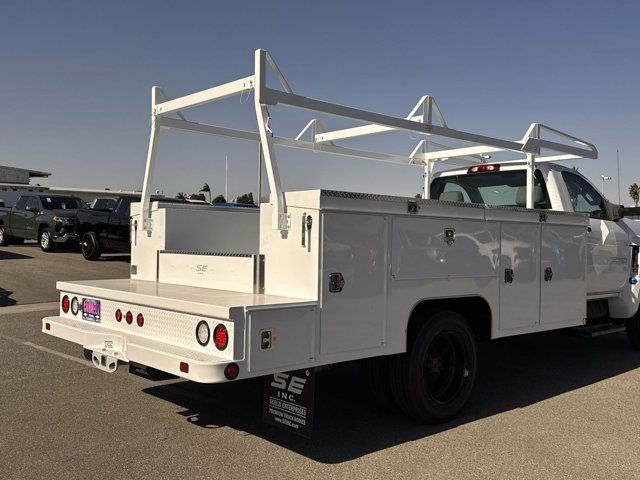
x: 496, y: 248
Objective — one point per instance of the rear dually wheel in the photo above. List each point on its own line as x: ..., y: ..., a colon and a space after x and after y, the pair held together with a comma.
x: 434, y: 379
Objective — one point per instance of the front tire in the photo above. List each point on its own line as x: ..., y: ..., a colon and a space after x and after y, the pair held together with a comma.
x: 633, y: 331
x: 4, y: 237
x: 45, y: 239
x: 434, y: 379
x: 89, y: 246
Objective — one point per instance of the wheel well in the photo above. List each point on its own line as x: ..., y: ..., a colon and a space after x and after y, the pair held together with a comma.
x: 41, y: 227
x: 475, y: 310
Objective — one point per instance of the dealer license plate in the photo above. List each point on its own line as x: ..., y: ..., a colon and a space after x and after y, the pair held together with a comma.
x: 91, y: 309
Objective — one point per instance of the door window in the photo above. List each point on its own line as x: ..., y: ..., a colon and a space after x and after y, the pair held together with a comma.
x: 22, y: 203
x: 584, y: 198
x: 32, y: 204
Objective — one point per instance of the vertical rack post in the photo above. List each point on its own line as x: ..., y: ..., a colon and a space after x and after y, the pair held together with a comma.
x: 279, y: 220
x: 147, y: 186
x: 531, y: 168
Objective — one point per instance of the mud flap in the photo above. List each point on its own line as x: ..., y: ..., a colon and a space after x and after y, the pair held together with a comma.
x: 289, y: 400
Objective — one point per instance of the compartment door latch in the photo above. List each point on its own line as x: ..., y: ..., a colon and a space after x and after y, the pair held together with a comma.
x: 336, y: 282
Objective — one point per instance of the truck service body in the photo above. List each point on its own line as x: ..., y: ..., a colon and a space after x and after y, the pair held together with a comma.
x: 319, y: 277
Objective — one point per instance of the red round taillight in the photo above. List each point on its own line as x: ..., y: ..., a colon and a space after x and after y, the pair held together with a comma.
x: 118, y: 315
x: 140, y: 320
x: 220, y: 336
x: 129, y: 318
x: 65, y: 304
x: 231, y: 371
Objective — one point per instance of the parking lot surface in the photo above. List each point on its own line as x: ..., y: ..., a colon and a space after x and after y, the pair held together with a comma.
x: 29, y: 275
x: 545, y: 406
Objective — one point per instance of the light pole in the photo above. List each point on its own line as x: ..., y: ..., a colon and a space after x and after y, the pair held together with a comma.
x: 604, y: 177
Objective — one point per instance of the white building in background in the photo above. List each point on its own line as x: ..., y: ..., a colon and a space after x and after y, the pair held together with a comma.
x: 16, y: 181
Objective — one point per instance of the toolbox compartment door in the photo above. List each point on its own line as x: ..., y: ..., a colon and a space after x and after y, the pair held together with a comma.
x: 354, y: 249
x: 563, y: 275
x: 519, y: 275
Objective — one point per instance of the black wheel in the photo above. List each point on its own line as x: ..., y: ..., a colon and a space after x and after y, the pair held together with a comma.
x: 4, y: 237
x: 633, y: 330
x: 376, y: 374
x: 88, y: 354
x: 46, y: 240
x: 89, y: 246
x: 434, y: 379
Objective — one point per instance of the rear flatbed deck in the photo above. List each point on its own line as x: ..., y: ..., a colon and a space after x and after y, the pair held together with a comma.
x: 204, y: 301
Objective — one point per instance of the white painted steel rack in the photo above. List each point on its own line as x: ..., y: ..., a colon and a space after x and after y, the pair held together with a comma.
x: 424, y: 119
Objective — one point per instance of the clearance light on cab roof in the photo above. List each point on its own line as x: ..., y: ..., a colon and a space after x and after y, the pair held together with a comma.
x: 484, y: 168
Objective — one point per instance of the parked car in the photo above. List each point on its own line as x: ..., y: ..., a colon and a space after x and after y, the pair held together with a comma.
x: 49, y: 219
x: 107, y: 230
x: 103, y: 204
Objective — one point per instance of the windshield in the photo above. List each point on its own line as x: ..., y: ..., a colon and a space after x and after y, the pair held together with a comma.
x: 507, y: 188
x: 60, y: 203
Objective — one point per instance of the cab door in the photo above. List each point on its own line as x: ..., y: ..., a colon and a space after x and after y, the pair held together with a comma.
x: 19, y: 217
x: 607, y: 244
x: 33, y: 210
x: 118, y: 228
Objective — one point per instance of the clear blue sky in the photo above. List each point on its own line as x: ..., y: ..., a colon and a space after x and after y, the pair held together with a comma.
x: 75, y: 81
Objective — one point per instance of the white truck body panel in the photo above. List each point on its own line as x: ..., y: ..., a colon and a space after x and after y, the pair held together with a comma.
x: 390, y: 261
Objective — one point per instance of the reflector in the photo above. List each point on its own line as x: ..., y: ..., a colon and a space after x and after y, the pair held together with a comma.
x: 231, y: 371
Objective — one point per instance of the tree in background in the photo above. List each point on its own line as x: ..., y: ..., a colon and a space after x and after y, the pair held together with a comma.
x: 205, y: 188
x: 198, y: 196
x: 181, y: 196
x: 220, y: 199
x: 634, y: 193
x: 246, y: 199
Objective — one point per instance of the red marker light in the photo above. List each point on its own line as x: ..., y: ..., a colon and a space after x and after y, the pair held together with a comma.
x: 484, y: 168
x: 118, y: 315
x: 140, y: 320
x: 65, y: 304
x: 129, y: 318
x: 184, y: 367
x: 231, y: 371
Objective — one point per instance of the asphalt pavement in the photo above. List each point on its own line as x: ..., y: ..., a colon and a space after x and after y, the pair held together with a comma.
x: 546, y: 406
x: 29, y: 275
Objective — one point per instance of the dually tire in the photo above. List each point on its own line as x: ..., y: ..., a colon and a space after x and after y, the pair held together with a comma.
x: 434, y: 379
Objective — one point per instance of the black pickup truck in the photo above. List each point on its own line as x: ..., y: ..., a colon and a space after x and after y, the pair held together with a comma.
x: 49, y: 219
x: 107, y: 231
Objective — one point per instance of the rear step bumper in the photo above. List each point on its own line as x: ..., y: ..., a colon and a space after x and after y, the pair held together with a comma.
x: 202, y: 367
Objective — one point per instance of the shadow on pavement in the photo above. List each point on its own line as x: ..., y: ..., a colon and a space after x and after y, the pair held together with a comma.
x: 115, y: 258
x: 6, y: 255
x: 5, y: 299
x: 514, y: 373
